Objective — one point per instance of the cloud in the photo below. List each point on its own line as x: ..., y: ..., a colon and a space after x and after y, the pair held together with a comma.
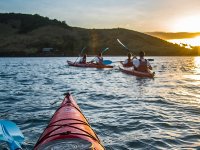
x: 143, y: 15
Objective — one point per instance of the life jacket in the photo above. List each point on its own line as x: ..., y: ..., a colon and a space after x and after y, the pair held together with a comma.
x: 100, y: 59
x: 129, y: 63
x: 142, y: 66
x: 83, y: 60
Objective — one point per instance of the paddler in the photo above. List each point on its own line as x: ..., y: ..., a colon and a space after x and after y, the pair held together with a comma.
x: 83, y: 59
x: 141, y: 64
x: 98, y: 59
x: 128, y: 62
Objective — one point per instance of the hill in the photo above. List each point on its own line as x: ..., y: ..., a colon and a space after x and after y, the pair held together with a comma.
x: 28, y: 35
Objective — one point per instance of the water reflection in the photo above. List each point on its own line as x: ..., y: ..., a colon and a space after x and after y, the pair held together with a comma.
x: 126, y: 112
x: 196, y: 66
x: 197, y: 62
x: 195, y: 70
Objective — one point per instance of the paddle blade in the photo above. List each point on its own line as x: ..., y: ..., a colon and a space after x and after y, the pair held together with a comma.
x: 104, y: 50
x: 10, y: 131
x: 107, y: 62
x: 122, y: 44
x: 82, y: 50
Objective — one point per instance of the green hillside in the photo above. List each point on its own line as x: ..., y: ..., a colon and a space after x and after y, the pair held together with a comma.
x: 27, y: 35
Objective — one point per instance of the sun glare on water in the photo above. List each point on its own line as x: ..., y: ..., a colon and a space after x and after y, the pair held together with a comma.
x: 195, y: 76
x: 197, y: 63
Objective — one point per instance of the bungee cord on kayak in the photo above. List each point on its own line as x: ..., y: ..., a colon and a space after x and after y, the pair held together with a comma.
x: 69, y: 124
x: 67, y: 127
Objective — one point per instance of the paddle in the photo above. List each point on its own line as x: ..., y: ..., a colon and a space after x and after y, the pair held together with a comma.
x: 104, y: 50
x: 123, y: 45
x: 107, y: 62
x: 129, y: 49
x: 80, y: 54
x: 10, y: 133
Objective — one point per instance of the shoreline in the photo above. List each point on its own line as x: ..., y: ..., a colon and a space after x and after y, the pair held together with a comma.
x: 95, y: 55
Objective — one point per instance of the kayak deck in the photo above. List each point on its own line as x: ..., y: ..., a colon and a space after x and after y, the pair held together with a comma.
x: 88, y: 65
x: 68, y: 128
x: 137, y: 73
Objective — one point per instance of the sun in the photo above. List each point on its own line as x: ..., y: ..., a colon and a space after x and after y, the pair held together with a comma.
x: 187, y: 24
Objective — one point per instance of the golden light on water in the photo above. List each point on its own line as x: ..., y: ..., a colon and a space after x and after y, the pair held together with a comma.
x: 196, y: 67
x: 194, y: 75
x: 197, y: 63
x: 196, y: 70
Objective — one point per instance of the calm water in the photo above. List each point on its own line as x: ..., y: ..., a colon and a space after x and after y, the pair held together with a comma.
x: 125, y: 111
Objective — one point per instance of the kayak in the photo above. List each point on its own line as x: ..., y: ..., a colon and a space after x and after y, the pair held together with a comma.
x: 138, y: 73
x: 88, y: 65
x: 68, y: 129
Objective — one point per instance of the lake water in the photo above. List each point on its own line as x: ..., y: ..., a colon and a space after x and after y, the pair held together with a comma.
x: 126, y: 112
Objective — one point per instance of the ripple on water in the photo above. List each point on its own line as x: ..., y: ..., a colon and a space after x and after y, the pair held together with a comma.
x: 126, y: 112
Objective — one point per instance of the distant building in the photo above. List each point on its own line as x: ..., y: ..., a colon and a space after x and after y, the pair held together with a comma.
x: 48, y: 49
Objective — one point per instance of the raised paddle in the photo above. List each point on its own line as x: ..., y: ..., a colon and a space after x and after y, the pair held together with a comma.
x: 80, y: 54
x: 129, y: 49
x: 106, y: 62
x: 10, y: 133
x: 123, y: 45
x: 104, y: 50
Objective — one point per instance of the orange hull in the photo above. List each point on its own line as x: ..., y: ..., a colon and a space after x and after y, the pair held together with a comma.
x: 68, y: 128
x: 138, y: 73
x: 88, y: 65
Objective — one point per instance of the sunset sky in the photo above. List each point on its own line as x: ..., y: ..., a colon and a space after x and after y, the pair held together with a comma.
x: 139, y: 15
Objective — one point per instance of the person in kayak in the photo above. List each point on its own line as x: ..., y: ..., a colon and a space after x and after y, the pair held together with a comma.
x: 141, y: 64
x: 83, y: 59
x: 128, y: 62
x: 98, y: 59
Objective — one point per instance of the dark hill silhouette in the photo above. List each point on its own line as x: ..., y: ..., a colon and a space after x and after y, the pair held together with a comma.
x: 27, y: 35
